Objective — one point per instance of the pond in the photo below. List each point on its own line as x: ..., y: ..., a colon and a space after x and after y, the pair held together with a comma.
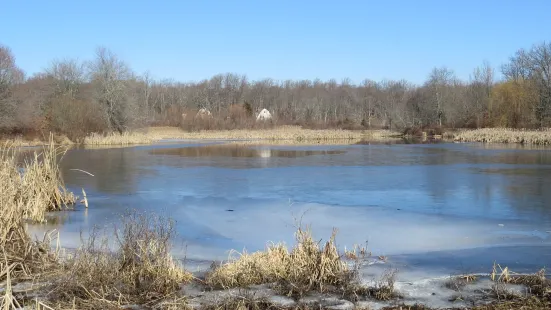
x: 444, y: 206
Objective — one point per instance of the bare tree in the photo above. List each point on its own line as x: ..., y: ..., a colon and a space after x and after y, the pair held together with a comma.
x: 10, y: 75
x: 110, y: 75
x: 68, y: 76
x: 479, y: 93
x: 392, y: 107
x: 538, y: 61
x: 439, y: 82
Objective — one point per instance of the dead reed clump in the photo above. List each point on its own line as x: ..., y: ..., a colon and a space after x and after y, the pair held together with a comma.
x: 383, y: 289
x: 243, y: 269
x: 27, y: 193
x: 538, y: 284
x: 306, y: 267
x: 12, y: 204
x: 505, y: 135
x: 43, y: 183
x: 138, y: 268
x: 457, y: 283
x: 313, y: 267
x: 357, y: 252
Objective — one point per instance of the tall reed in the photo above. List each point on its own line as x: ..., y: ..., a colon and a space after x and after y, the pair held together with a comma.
x: 27, y: 193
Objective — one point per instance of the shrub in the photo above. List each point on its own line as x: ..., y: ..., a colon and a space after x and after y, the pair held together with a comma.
x: 139, y: 269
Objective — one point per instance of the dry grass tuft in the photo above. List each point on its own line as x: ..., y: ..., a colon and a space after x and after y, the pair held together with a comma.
x: 457, y: 283
x: 357, y: 252
x: 504, y: 135
x: 43, y: 183
x: 140, y: 270
x: 384, y: 289
x: 538, y: 285
x: 243, y: 269
x: 308, y: 266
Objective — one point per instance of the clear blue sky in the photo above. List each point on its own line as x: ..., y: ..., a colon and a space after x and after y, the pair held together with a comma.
x: 192, y: 40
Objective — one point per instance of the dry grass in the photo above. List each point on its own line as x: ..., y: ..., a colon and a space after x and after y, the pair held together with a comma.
x: 308, y: 266
x: 357, y: 252
x: 19, y: 141
x: 294, y: 134
x: 140, y: 268
x: 127, y: 138
x: 537, y: 283
x: 28, y: 195
x: 539, y: 289
x: 503, y: 135
x: 43, y: 184
x: 457, y: 283
x: 247, y: 301
x: 290, y: 133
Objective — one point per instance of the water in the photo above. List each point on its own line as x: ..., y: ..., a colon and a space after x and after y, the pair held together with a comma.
x: 442, y: 205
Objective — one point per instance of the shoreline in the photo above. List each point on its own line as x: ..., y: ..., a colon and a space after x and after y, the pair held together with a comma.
x: 297, y: 135
x: 454, y: 291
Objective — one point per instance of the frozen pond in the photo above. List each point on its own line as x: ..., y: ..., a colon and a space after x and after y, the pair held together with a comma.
x: 443, y: 207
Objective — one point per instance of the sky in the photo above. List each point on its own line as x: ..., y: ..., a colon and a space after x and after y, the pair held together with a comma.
x: 302, y: 39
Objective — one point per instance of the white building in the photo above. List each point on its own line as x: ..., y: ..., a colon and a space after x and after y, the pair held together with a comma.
x: 264, y: 115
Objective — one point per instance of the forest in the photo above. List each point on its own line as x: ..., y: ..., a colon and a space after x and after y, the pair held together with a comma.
x: 104, y: 94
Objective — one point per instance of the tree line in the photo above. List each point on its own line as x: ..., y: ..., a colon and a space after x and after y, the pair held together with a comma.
x: 104, y: 94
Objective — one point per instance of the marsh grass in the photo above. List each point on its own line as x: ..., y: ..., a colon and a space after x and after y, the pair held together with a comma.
x: 287, y: 133
x: 308, y: 266
x: 457, y: 283
x: 19, y: 141
x: 27, y: 194
x: 249, y: 302
x: 504, y: 135
x: 114, y: 138
x: 357, y: 252
x: 43, y: 182
x: 538, y: 285
x: 137, y: 269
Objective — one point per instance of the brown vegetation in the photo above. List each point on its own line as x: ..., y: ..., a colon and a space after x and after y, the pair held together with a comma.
x: 139, y: 270
x: 32, y: 191
x: 290, y: 133
x: 306, y: 267
x: 27, y: 195
x: 115, y: 138
x: 503, y: 135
